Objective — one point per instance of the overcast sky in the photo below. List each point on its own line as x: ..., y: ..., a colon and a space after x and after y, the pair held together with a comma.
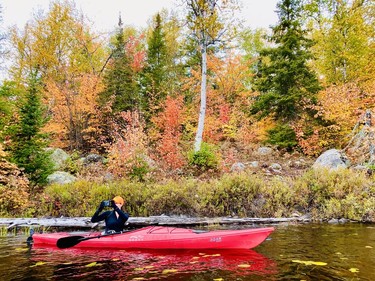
x: 104, y: 13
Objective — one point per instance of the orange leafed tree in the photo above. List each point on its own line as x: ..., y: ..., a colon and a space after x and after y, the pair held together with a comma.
x: 345, y: 104
x: 70, y: 58
x: 342, y: 107
x: 169, y: 123
x: 74, y: 122
x: 129, y: 150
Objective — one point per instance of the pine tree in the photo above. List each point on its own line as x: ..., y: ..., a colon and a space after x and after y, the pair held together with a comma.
x: 120, y: 85
x: 155, y: 73
x: 28, y: 141
x: 284, y: 80
x: 7, y: 104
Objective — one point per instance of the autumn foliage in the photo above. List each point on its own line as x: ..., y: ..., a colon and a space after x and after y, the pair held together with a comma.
x: 73, y: 109
x: 14, y: 187
x: 145, y: 125
x: 168, y: 143
x: 128, y: 154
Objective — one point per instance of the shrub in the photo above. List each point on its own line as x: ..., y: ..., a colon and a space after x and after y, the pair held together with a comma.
x: 323, y: 193
x: 73, y: 165
x: 139, y: 169
x: 13, y: 201
x: 82, y: 198
x: 68, y: 200
x: 133, y: 192
x: 282, y: 136
x: 173, y: 198
x: 204, y: 159
x: 233, y: 195
x: 280, y: 199
x: 335, y: 193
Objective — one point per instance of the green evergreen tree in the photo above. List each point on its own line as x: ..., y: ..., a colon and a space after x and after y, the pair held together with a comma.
x: 284, y: 80
x: 28, y: 149
x: 154, y: 75
x: 120, y: 85
x: 8, y: 92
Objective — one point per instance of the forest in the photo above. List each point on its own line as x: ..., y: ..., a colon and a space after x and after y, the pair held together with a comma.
x: 173, y: 106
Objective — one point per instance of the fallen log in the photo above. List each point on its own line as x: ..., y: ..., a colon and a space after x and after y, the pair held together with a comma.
x: 84, y: 222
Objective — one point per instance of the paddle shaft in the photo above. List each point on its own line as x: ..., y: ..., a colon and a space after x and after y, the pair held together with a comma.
x: 70, y: 241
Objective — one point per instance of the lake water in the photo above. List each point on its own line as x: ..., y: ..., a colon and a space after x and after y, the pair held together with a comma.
x: 292, y: 252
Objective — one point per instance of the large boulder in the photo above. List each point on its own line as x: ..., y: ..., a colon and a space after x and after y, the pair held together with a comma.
x: 58, y: 157
x: 332, y: 159
x: 60, y: 177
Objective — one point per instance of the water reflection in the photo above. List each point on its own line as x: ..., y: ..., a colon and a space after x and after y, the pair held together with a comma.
x: 347, y: 250
x: 294, y: 252
x: 84, y: 264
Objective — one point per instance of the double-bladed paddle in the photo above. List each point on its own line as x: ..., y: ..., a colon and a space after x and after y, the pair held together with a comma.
x: 70, y: 241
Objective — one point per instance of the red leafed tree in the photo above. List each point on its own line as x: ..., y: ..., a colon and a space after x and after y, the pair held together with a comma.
x: 169, y: 123
x: 129, y: 150
x: 136, y: 51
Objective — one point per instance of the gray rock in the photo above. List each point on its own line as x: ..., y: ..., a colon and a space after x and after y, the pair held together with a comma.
x: 237, y: 167
x: 306, y: 217
x: 333, y: 221
x: 332, y: 159
x: 360, y: 168
x: 296, y: 215
x: 58, y: 157
x: 298, y: 164
x: 60, y: 177
x: 276, y: 167
x: 343, y: 220
x: 265, y: 150
x: 93, y: 158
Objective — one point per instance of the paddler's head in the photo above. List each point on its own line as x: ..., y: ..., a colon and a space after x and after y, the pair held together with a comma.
x: 119, y: 200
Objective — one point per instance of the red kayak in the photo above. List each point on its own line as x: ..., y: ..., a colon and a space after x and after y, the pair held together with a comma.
x: 158, y: 237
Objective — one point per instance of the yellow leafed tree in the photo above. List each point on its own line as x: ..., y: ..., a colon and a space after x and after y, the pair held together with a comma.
x: 70, y: 58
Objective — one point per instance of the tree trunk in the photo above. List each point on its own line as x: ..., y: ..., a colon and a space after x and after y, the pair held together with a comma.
x: 202, y: 111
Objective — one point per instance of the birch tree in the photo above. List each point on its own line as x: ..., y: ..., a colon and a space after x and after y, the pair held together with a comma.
x: 210, y: 23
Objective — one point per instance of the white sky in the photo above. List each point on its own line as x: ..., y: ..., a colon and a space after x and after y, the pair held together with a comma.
x: 104, y: 13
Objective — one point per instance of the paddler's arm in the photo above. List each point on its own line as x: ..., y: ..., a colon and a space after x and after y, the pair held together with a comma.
x: 97, y: 217
x: 120, y: 212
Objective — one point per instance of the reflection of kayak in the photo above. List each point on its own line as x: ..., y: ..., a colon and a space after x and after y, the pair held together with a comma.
x: 159, y: 237
x: 151, y: 263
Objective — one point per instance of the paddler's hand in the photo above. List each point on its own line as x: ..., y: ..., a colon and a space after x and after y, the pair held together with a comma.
x: 101, y: 206
x: 113, y: 204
